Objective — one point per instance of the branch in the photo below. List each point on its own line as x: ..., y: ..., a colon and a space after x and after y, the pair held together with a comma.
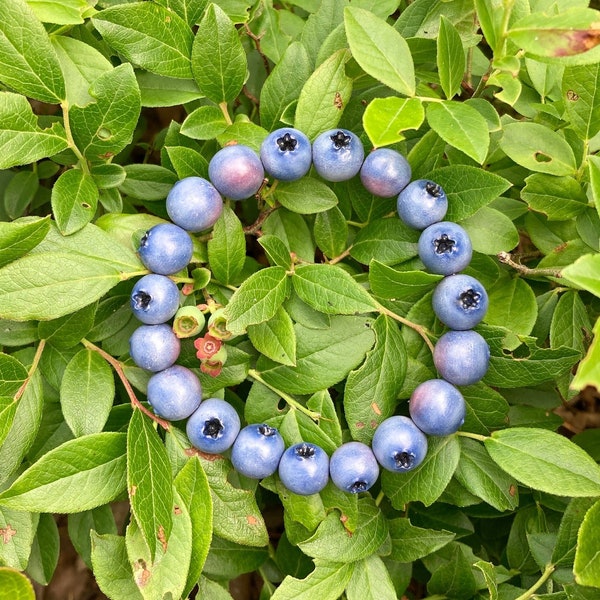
x: 506, y: 258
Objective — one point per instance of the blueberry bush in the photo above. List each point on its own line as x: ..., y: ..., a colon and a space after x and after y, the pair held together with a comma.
x: 295, y: 293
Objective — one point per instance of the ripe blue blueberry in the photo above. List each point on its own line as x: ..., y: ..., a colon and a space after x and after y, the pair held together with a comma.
x: 399, y: 445
x: 154, y: 299
x: 194, y: 204
x: 337, y: 155
x: 174, y: 393
x: 385, y: 172
x: 460, y: 301
x: 236, y: 171
x: 286, y: 154
x: 213, y: 427
x: 445, y: 248
x: 422, y: 203
x: 353, y: 467
x: 257, y: 450
x: 166, y: 249
x: 461, y: 357
x: 154, y: 347
x: 437, y: 407
x: 304, y: 469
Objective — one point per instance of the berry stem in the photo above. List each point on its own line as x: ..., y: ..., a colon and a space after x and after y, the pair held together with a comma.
x: 225, y: 111
x: 118, y: 367
x: 543, y: 578
x: 473, y: 436
x: 293, y: 403
x: 422, y: 331
x: 506, y: 258
x: 32, y: 370
x: 71, y: 140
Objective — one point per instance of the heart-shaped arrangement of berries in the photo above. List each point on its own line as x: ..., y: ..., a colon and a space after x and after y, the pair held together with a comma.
x: 194, y: 204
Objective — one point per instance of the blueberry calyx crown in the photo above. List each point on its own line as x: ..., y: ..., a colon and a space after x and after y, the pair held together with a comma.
x: 469, y: 298
x: 212, y: 428
x: 305, y: 451
x: 444, y: 244
x: 403, y: 460
x: 266, y: 430
x: 340, y: 140
x: 358, y: 486
x: 287, y: 143
x: 142, y: 300
x: 433, y: 189
x: 144, y: 239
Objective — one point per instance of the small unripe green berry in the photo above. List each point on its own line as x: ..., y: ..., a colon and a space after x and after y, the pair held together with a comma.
x: 188, y: 321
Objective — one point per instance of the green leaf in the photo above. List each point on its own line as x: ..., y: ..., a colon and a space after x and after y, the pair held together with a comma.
x: 388, y: 241
x: 585, y: 273
x: 570, y: 322
x: 218, y: 58
x: 332, y: 542
x: 370, y: 392
x: 491, y: 231
x: 454, y: 577
x: 327, y: 16
x: 74, y: 200
x: 328, y: 581
x: 63, y: 12
x: 324, y: 96
x: 148, y: 35
x: 512, y: 305
x: 487, y: 410
x: 380, y: 50
x: 566, y: 540
x: 587, y: 561
x: 581, y: 98
x: 189, y: 10
x: 22, y: 140
x: 258, y: 298
x: 385, y: 119
x: 370, y: 581
x: 20, y: 193
x: 227, y: 247
x: 341, y: 347
x: 538, y: 148
x: 19, y: 237
x: 81, y: 65
x: 44, y: 551
x: 147, y: 182
x: 284, y: 84
x: 391, y: 284
x: 149, y: 482
x: 111, y: 566
x: 293, y: 231
x: 461, y: 126
x: 275, y: 338
x: 481, y: 476
x: 559, y: 198
x: 450, y: 58
x: 157, y: 90
x: 306, y: 196
x: 80, y: 525
x: 331, y: 232
x: 427, y: 482
x: 557, y: 35
x: 277, y: 251
x: 86, y: 393
x: 545, y: 461
x: 193, y: 489
x: 8, y: 410
x: 17, y: 529
x: 105, y: 126
x: 204, y: 123
x: 410, y: 543
x: 331, y: 290
x: 53, y: 284
x: 588, y: 370
x: 77, y: 475
x: 28, y: 62
x: 15, y: 585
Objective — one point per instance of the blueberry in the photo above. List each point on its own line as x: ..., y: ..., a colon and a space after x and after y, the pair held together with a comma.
x: 437, y: 407
x: 399, y: 445
x: 304, y: 469
x: 461, y: 357
x: 286, y: 154
x: 194, y: 204
x: 174, y: 393
x: 460, y: 301
x: 385, y: 172
x: 166, y: 249
x: 445, y: 248
x: 422, y: 203
x: 353, y: 467
x: 337, y: 155
x: 236, y: 171
x: 154, y: 347
x: 257, y: 450
x: 154, y: 299
x: 213, y: 427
